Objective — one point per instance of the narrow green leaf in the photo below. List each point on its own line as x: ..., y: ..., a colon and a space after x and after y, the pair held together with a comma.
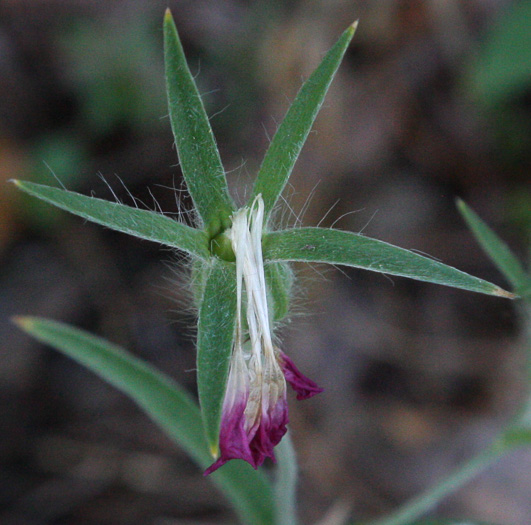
x: 340, y: 247
x: 217, y: 317
x: 292, y: 133
x: 198, y: 153
x: 139, y: 223
x: 420, y: 505
x: 171, y: 407
x: 495, y: 248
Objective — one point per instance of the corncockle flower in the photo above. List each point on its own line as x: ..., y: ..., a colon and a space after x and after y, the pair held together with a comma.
x: 255, y: 409
x: 241, y: 373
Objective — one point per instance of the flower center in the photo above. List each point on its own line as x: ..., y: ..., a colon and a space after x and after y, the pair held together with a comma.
x: 221, y: 246
x: 246, y: 241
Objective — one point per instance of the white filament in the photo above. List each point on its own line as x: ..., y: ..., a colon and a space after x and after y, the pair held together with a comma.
x: 266, y: 380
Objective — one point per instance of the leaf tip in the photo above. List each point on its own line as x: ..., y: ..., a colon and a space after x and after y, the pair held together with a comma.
x: 500, y: 292
x: 353, y: 26
x: 214, y: 449
x: 25, y: 323
x: 168, y: 22
x: 461, y: 205
x: 16, y: 182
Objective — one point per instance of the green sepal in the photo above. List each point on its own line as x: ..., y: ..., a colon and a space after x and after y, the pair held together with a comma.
x: 350, y: 249
x: 198, y: 276
x: 144, y: 224
x: 215, y: 336
x: 196, y: 146
x: 294, y: 129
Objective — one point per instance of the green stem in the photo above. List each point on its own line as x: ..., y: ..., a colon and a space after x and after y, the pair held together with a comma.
x: 418, y: 506
x: 285, y: 483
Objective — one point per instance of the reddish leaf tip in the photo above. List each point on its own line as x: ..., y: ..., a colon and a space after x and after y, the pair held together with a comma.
x: 22, y: 322
x: 500, y: 292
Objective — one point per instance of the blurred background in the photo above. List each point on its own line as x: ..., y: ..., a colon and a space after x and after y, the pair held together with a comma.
x: 431, y: 103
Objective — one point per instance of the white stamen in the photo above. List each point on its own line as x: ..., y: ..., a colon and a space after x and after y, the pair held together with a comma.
x: 266, y: 380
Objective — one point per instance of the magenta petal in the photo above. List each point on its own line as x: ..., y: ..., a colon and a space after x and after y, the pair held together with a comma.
x: 233, y: 440
x: 270, y: 431
x: 304, y: 386
x: 235, y: 443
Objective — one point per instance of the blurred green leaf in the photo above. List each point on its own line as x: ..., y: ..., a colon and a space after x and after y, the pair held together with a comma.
x: 139, y: 223
x: 519, y: 207
x: 217, y: 317
x: 171, y: 407
x: 63, y: 155
x: 418, y: 506
x: 499, y: 80
x: 503, y: 67
x: 167, y: 403
x: 114, y: 70
x: 198, y: 153
x: 518, y: 436
x: 341, y: 247
x: 496, y: 249
x: 292, y: 133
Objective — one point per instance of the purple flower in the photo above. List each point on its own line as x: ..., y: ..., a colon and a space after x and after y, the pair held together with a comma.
x: 255, y: 409
x: 255, y: 413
